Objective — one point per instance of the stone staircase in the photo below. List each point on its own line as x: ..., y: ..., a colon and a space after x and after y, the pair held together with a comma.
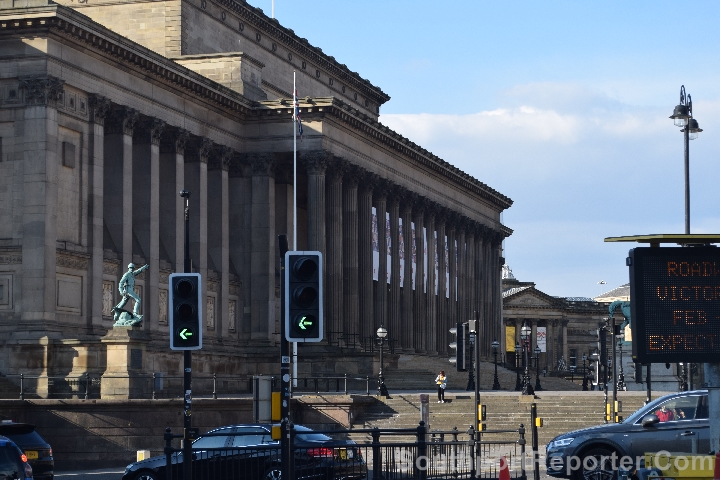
x: 418, y: 372
x: 561, y: 412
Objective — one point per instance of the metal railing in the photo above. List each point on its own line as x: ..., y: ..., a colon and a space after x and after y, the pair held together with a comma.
x: 158, y: 385
x: 410, y: 453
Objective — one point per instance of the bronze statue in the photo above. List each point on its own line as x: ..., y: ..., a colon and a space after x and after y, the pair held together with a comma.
x: 124, y: 318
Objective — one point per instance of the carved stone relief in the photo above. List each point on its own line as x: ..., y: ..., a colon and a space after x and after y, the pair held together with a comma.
x: 210, y: 313
x: 231, y: 315
x: 108, y: 298
x: 163, y: 305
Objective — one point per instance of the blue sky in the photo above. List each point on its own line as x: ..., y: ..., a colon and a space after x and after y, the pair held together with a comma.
x: 562, y: 106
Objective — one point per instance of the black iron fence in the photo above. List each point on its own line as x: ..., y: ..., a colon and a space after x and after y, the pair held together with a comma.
x: 411, y: 453
x: 162, y: 386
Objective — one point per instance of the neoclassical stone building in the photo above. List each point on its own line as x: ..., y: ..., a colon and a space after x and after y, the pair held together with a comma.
x: 109, y: 109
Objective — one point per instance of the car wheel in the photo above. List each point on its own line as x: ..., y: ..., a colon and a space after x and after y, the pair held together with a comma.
x: 146, y: 475
x: 273, y: 474
x: 597, y: 465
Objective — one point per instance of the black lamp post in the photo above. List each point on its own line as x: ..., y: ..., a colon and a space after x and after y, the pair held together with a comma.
x: 496, y: 382
x: 537, y: 369
x: 621, y: 374
x: 518, y: 385
x: 585, y: 378
x: 382, y: 389
x: 525, y: 331
x: 682, y: 115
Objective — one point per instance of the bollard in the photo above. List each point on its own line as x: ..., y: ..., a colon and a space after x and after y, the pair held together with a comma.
x: 367, y: 385
x: 215, y: 386
x: 87, y: 385
x: 22, y: 386
x: 346, y: 384
x: 535, y: 452
x: 154, y: 395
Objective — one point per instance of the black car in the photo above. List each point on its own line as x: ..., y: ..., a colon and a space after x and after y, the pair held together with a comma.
x: 38, y: 451
x: 249, y: 452
x: 13, y: 462
x: 674, y: 423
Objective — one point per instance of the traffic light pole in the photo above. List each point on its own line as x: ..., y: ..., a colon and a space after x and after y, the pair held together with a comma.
x: 187, y: 360
x: 284, y: 369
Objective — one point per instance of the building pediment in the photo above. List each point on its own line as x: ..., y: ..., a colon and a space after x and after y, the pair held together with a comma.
x: 529, y: 299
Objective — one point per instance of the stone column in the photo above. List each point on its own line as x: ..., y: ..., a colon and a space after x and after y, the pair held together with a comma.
x: 462, y: 315
x: 365, y: 262
x: 99, y: 108
x: 219, y: 231
x: 495, y: 271
x: 431, y: 299
x: 420, y: 325
x: 196, y: 158
x: 408, y: 317
x: 118, y: 204
x: 471, y: 284
x: 334, y: 256
x: 550, y: 356
x: 240, y: 233
x: 316, y: 163
x: 489, y: 332
x: 351, y: 307
x: 394, y: 307
x: 442, y: 300
x: 564, y: 341
x: 452, y: 302
x: 38, y: 130
x: 172, y: 205
x: 263, y: 248
x: 380, y: 295
x: 146, y: 208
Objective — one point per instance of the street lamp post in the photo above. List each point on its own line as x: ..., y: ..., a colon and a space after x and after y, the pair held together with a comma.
x: 382, y: 389
x: 537, y: 369
x: 682, y: 115
x: 585, y: 379
x: 525, y: 331
x: 496, y: 382
x: 518, y: 385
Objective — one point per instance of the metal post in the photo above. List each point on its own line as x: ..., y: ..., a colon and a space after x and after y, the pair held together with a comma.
x: 285, y: 452
x: 87, y: 385
x: 346, y: 391
x: 686, y: 130
x: 168, y: 452
x: 518, y: 385
x: 538, y: 387
x: 421, y: 462
x: 535, y: 451
x: 214, y: 386
x: 22, y: 386
x: 471, y: 442
x: 522, y: 442
x: 154, y: 396
x: 187, y: 360
x: 454, y: 451
x: 614, y: 367
x: 649, y: 386
x: 496, y: 381
x: 377, y: 454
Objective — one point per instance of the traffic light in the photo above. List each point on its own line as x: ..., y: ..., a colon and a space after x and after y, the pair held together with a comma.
x: 303, y: 297
x: 185, y: 311
x: 459, y: 345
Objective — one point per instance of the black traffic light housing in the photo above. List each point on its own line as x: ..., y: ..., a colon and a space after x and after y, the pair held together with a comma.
x: 460, y: 346
x: 303, y: 296
x: 185, y: 316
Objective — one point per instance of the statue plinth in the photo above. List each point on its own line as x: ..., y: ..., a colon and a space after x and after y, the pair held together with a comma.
x: 124, y: 376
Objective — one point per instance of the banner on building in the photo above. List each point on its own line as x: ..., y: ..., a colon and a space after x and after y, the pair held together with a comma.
x: 388, y: 239
x: 510, y: 338
x: 437, y: 264
x: 401, y: 252
x: 425, y: 260
x: 413, y: 244
x: 542, y: 339
x: 375, y: 245
x: 447, y: 268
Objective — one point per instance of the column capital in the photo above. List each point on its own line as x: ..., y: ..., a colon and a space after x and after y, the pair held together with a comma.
x: 336, y: 169
x: 283, y: 174
x: 381, y: 190
x: 42, y: 89
x: 198, y: 149
x: 315, y: 161
x: 368, y: 182
x: 148, y: 130
x: 99, y: 108
x: 220, y: 158
x: 174, y: 140
x: 352, y: 175
x: 420, y: 204
x: 121, y: 120
x: 262, y: 163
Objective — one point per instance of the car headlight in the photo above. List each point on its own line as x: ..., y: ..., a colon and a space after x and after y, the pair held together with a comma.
x: 560, y: 443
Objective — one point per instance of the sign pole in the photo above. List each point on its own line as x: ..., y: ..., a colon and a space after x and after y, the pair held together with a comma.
x: 284, y: 368
x: 187, y: 359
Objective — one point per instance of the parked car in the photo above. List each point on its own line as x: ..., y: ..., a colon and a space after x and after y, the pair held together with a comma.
x: 38, y: 451
x: 249, y: 452
x: 675, y: 423
x: 13, y: 462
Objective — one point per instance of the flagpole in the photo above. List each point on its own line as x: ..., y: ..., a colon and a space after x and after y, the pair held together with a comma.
x: 295, y: 242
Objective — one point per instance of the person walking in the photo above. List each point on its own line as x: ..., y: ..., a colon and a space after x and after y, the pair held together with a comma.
x: 441, y: 381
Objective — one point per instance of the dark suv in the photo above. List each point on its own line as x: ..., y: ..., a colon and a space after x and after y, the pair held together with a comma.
x: 38, y: 451
x: 13, y: 462
x: 675, y: 423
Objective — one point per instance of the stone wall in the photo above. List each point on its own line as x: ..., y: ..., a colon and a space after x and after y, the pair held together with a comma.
x: 87, y: 434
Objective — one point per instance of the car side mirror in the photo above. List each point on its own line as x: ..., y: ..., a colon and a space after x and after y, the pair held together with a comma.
x: 650, y: 420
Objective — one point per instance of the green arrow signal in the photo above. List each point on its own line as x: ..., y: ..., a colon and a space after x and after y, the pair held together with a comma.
x: 185, y: 333
x: 305, y: 323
